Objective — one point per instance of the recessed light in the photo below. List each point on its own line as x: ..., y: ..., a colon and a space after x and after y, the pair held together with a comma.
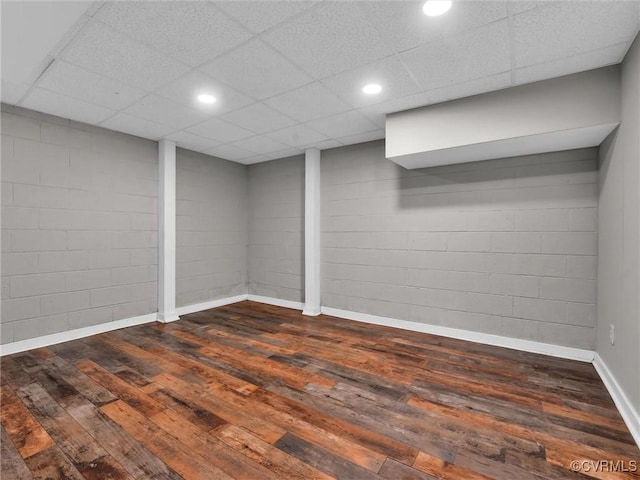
x: 206, y: 98
x: 372, y: 89
x: 433, y: 8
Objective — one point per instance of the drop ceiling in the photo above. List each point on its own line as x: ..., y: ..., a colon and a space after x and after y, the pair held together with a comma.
x: 288, y: 74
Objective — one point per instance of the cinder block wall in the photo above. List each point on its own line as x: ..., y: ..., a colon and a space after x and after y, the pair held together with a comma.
x: 276, y: 229
x: 503, y: 247
x: 79, y: 225
x: 619, y: 240
x: 211, y: 228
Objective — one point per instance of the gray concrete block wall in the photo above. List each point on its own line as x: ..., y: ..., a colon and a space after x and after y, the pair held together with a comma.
x: 79, y: 225
x: 211, y: 223
x: 276, y: 229
x: 619, y: 239
x: 505, y: 247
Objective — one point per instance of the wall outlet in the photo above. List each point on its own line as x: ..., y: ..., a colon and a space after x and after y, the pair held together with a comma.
x: 612, y: 334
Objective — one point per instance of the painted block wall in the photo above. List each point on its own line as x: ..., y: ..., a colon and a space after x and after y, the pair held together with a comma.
x: 276, y: 229
x: 504, y: 247
x: 79, y: 225
x: 211, y: 228
x: 619, y: 248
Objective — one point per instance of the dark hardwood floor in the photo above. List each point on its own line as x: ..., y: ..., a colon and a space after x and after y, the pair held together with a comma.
x: 251, y: 391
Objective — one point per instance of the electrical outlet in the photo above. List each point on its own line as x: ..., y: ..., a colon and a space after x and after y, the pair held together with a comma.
x: 612, y: 334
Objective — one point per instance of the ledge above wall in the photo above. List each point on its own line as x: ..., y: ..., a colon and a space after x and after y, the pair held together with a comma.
x: 565, y: 113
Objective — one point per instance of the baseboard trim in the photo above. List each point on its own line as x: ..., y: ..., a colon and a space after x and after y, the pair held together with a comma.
x: 278, y: 302
x: 629, y: 414
x: 488, y: 339
x: 168, y: 317
x: 199, y: 307
x: 55, y: 338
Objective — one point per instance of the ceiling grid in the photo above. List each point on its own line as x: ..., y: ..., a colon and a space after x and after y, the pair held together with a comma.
x: 288, y: 75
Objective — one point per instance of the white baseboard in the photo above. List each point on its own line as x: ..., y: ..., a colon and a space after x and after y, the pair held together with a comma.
x: 630, y: 415
x: 488, y: 339
x: 199, y: 307
x: 54, y: 338
x: 628, y: 412
x: 278, y: 302
x: 168, y: 317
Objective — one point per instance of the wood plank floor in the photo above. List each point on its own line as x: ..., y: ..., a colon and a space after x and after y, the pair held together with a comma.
x: 250, y: 391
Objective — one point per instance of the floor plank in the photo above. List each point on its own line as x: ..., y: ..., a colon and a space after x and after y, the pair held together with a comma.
x: 251, y: 391
x: 21, y: 426
x: 176, y: 455
x: 271, y: 457
x: 85, y: 453
x: 52, y: 464
x: 126, y: 450
x: 12, y: 464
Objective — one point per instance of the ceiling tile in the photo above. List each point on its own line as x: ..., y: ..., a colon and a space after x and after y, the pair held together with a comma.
x: 327, y: 144
x: 191, y: 32
x: 229, y: 152
x: 290, y: 152
x: 186, y: 89
x: 122, y: 122
x: 390, y: 73
x: 260, y: 16
x: 309, y: 102
x: 53, y: 103
x: 12, y: 92
x: 107, y: 52
x: 68, y: 37
x: 476, y: 54
x: 579, y: 63
x: 163, y: 111
x: 258, y: 118
x: 362, y: 137
x: 192, y: 142
x: 297, y: 136
x: 260, y: 144
x: 330, y: 39
x: 473, y: 87
x: 256, y: 159
x: 376, y: 113
x: 76, y: 82
x: 523, y: 6
x: 257, y: 70
x: 96, y: 5
x: 566, y: 29
x: 404, y: 25
x: 343, y: 124
x: 220, y: 131
x: 377, y: 116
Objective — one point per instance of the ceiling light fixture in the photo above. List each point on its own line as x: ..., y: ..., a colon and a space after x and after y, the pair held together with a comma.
x: 206, y: 98
x: 372, y: 89
x: 433, y: 8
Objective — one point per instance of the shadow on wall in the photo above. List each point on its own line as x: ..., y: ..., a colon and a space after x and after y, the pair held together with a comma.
x: 545, y: 180
x: 604, y: 150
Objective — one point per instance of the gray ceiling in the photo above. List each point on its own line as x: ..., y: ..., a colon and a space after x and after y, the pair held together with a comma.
x: 288, y: 74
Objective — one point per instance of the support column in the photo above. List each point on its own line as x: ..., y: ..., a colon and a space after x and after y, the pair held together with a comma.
x: 167, y: 232
x: 312, y: 232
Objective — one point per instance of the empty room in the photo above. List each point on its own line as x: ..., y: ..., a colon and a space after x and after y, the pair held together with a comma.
x: 349, y: 240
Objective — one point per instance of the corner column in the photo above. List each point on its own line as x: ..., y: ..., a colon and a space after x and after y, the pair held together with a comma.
x: 312, y: 232
x: 167, y: 232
